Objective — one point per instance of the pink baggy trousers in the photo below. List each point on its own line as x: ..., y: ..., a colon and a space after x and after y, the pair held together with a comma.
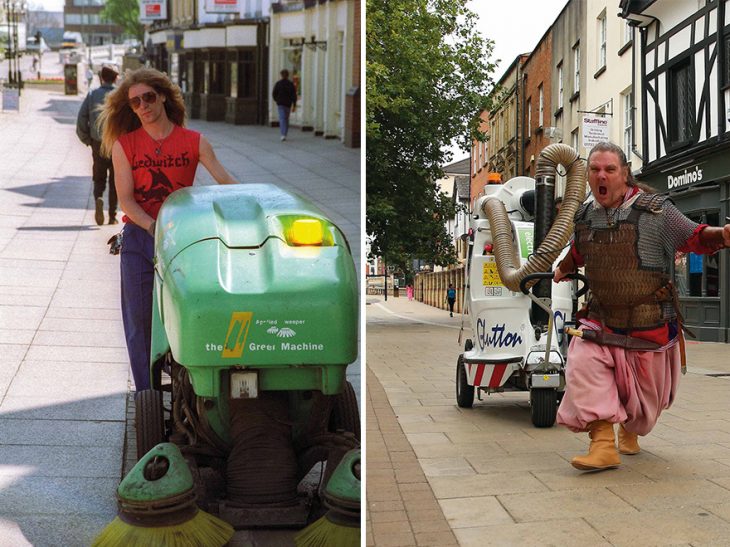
x: 617, y: 385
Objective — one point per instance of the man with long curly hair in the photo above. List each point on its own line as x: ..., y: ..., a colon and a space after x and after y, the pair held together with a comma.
x: 153, y: 155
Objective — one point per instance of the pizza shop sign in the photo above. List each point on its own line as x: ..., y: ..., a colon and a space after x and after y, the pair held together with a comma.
x: 688, y: 176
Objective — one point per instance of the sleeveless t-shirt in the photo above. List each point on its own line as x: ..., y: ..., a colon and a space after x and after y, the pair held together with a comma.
x: 160, y: 168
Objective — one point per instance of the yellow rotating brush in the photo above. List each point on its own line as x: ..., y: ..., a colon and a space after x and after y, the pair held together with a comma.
x: 340, y: 527
x: 157, y: 507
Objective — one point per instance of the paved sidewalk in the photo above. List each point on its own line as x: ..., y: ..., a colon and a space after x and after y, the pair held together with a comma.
x: 64, y: 373
x: 496, y: 480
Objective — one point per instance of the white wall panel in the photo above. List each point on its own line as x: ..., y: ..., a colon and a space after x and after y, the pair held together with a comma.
x: 714, y: 100
x: 678, y: 43
x: 244, y: 35
x: 212, y: 37
x: 292, y: 24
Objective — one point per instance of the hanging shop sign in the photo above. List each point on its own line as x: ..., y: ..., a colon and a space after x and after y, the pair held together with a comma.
x: 152, y: 10
x: 222, y: 6
x: 595, y: 129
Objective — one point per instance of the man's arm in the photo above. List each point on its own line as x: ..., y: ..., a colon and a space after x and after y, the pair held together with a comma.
x: 211, y: 163
x: 82, y: 122
x: 125, y: 190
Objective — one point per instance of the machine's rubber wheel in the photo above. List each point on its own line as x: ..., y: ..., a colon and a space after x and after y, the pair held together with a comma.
x: 464, y: 392
x: 544, y: 406
x: 345, y: 413
x: 148, y: 420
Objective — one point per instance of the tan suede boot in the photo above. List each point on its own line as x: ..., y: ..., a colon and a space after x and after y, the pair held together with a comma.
x: 602, y: 451
x: 628, y: 443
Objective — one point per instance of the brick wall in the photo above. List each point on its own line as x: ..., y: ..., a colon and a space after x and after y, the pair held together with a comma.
x: 537, y: 71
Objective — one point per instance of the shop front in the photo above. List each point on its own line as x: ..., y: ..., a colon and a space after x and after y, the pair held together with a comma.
x: 700, y: 187
x: 247, y: 61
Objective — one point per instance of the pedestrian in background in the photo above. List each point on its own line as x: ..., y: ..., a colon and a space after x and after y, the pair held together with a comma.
x: 285, y: 96
x: 451, y: 298
x: 625, y: 368
x: 89, y: 133
x: 409, y: 291
x: 153, y: 155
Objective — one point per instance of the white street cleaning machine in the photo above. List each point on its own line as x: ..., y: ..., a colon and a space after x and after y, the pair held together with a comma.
x: 517, y: 333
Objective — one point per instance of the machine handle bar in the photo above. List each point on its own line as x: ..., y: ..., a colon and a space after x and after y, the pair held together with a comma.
x: 549, y: 275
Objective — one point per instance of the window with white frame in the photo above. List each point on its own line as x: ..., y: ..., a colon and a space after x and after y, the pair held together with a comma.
x: 628, y: 133
x: 529, y: 117
x: 602, y: 40
x: 627, y: 33
x: 560, y: 85
x: 576, y: 69
x: 574, y: 140
x: 540, y: 112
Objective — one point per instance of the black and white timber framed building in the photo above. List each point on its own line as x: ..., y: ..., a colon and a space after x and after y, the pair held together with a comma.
x: 683, y: 63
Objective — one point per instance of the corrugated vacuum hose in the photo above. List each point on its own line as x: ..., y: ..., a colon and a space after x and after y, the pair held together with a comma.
x: 501, y: 227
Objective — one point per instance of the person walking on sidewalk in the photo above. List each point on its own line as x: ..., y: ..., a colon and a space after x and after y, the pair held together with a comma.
x: 451, y: 298
x: 624, y: 367
x: 285, y: 96
x: 153, y: 155
x: 89, y: 134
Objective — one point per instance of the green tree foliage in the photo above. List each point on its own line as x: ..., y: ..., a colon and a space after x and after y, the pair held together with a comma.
x: 124, y: 13
x: 428, y: 74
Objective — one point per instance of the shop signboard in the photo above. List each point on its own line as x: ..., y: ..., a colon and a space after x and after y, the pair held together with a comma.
x: 11, y: 98
x: 596, y: 129
x: 152, y: 10
x: 222, y: 6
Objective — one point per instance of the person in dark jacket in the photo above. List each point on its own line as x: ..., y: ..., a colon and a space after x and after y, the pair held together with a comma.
x: 285, y: 95
x: 90, y: 135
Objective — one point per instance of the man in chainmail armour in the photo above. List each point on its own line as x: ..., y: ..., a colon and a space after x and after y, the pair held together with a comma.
x: 624, y: 367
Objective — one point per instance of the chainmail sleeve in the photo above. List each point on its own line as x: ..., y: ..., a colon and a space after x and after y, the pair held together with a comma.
x: 662, y: 229
x: 677, y: 227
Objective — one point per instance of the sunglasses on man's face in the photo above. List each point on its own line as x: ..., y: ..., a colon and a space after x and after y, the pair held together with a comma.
x: 150, y: 97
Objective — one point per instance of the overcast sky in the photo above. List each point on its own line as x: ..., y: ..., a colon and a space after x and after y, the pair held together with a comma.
x: 515, y: 26
x: 46, y: 5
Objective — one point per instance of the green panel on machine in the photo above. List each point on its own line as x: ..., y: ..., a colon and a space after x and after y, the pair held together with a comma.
x: 235, y: 289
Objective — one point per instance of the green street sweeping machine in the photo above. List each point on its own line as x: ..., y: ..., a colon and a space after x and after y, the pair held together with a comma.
x: 255, y: 319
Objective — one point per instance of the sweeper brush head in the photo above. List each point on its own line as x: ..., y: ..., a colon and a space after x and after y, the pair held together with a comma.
x: 340, y: 527
x: 325, y: 533
x: 157, y: 507
x: 203, y: 530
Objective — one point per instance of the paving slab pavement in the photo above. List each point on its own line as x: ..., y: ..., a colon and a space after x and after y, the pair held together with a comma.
x: 64, y: 373
x: 488, y: 477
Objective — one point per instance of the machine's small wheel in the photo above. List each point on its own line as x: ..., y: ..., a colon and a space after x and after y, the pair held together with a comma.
x: 345, y: 413
x: 544, y: 406
x: 148, y: 420
x: 464, y: 392
x: 468, y: 345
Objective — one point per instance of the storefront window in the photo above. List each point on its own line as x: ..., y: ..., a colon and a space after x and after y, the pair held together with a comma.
x: 694, y: 274
x: 247, y: 80
x: 293, y: 63
x: 217, y: 72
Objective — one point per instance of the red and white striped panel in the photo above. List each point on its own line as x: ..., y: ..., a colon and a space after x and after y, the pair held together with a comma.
x: 483, y: 375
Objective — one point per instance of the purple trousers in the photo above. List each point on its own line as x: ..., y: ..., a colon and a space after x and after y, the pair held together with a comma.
x: 137, y: 273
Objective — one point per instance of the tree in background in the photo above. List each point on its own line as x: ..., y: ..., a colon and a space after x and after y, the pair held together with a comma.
x: 428, y: 74
x: 124, y: 13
